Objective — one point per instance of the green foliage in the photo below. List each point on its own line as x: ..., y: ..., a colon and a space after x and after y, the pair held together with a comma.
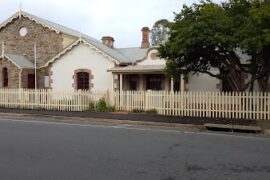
x: 92, y: 106
x: 111, y: 108
x: 137, y: 111
x: 101, y: 106
x: 159, y: 32
x: 151, y: 111
x: 206, y: 36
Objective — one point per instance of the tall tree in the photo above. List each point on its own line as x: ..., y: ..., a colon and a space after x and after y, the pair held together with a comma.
x: 210, y: 38
x: 159, y: 32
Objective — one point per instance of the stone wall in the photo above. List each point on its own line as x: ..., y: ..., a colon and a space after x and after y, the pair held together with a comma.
x: 13, y: 74
x: 49, y: 43
x: 40, y: 77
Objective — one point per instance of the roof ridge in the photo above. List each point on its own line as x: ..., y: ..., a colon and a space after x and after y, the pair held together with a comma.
x: 129, y: 48
x: 84, y: 36
x: 46, y: 21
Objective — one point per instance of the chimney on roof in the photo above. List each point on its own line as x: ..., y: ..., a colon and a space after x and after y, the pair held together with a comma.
x: 108, y: 41
x: 145, y: 37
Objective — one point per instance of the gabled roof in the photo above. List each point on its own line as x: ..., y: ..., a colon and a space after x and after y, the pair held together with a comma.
x: 20, y: 61
x: 110, y: 51
x: 134, y: 54
x: 122, y: 55
x: 40, y: 21
x: 79, y: 41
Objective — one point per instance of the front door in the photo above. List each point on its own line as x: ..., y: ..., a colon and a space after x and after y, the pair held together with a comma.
x: 31, y: 81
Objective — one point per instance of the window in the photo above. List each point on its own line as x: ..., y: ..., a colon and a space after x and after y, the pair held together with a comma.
x: 83, y: 80
x: 23, y: 31
x: 133, y: 82
x: 154, y: 82
x: 5, y: 77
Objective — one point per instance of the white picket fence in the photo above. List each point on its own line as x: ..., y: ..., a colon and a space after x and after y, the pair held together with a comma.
x: 243, y: 105
x: 48, y: 99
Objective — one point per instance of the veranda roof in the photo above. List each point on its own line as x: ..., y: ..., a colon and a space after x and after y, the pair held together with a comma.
x: 20, y: 61
x: 138, y: 69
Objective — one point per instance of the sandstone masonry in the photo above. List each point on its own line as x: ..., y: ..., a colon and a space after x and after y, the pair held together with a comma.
x: 49, y: 44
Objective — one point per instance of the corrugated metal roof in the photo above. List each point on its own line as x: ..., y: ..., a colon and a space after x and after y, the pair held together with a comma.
x: 56, y: 26
x: 138, y: 68
x: 20, y: 61
x: 134, y: 54
x: 110, y: 51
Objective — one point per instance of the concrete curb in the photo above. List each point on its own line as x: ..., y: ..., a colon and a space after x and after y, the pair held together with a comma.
x: 112, y: 122
x: 101, y: 121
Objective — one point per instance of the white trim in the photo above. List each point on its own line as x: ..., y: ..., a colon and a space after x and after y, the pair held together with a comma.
x: 8, y: 58
x: 172, y: 83
x: 121, y: 82
x: 100, y: 52
x: 149, y: 49
x: 21, y: 13
x: 20, y: 10
x: 70, y: 47
x: 35, y: 56
x: 3, y: 49
x: 60, y: 54
x: 136, y: 71
x: 20, y: 78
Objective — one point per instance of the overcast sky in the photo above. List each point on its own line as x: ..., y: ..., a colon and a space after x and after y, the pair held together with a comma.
x: 121, y: 19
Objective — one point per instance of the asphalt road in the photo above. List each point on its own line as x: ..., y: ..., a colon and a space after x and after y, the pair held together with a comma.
x: 42, y: 150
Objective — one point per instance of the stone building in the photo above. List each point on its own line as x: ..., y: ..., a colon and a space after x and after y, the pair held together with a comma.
x: 18, y: 35
x: 67, y: 59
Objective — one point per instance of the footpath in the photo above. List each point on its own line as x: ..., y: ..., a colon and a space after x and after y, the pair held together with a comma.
x: 138, y: 119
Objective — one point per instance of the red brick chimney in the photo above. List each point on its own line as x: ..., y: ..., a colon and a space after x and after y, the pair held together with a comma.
x: 108, y: 41
x: 145, y: 37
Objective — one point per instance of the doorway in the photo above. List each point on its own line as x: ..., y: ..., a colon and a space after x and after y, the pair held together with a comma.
x: 31, y: 81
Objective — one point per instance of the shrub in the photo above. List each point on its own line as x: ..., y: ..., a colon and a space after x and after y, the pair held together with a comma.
x: 151, y: 111
x: 137, y: 111
x: 92, y: 106
x: 111, y: 108
x: 101, y: 105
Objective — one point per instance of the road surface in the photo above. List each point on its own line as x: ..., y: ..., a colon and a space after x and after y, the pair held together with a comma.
x: 31, y: 150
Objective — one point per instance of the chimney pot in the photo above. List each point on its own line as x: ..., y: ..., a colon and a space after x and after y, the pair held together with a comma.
x: 108, y: 41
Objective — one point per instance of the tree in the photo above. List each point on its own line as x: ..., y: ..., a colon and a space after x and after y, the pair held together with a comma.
x: 210, y: 38
x: 252, y: 33
x: 159, y: 32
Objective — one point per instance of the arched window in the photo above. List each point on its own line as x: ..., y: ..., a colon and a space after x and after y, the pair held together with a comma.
x: 83, y: 80
x: 5, y: 77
